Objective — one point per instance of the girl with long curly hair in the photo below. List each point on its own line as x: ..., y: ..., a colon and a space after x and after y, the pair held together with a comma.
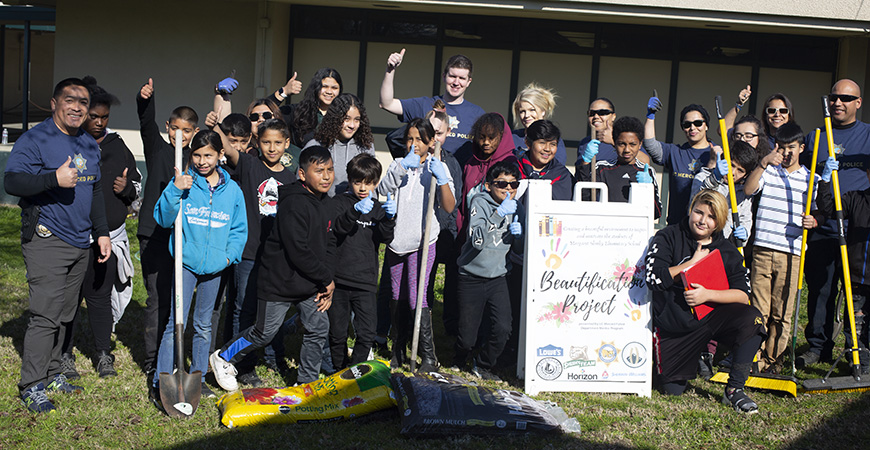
x: 346, y: 132
x: 305, y: 116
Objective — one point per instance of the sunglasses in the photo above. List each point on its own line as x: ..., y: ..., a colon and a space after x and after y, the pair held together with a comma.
x: 772, y: 111
x: 688, y: 124
x: 841, y: 97
x: 256, y: 116
x: 501, y: 184
x: 745, y: 136
x: 600, y: 112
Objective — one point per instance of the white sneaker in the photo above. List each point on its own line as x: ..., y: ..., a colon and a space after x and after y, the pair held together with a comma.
x: 224, y: 372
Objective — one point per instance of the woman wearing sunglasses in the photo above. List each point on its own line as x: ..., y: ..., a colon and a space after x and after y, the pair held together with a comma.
x: 681, y: 161
x: 601, y: 115
x: 259, y: 111
x: 534, y: 103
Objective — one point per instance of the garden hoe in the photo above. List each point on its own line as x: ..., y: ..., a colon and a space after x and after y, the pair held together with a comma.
x: 179, y: 391
x: 854, y: 383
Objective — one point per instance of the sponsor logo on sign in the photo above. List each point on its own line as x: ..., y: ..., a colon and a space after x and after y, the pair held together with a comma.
x: 550, y: 350
x: 634, y: 355
x: 549, y: 368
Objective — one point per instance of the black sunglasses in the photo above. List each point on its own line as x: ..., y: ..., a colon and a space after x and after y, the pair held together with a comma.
x: 501, y: 184
x: 256, y: 116
x: 771, y: 111
x: 688, y: 123
x: 842, y: 97
x: 600, y: 112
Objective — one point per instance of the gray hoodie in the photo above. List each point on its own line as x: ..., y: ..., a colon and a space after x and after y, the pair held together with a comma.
x: 485, y: 252
x: 342, y: 152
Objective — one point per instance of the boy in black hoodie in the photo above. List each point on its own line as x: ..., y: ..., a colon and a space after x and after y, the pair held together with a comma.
x: 361, y: 226
x: 299, y: 253
x: 153, y: 239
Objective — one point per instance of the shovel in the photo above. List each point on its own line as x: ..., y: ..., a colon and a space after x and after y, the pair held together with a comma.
x: 179, y: 391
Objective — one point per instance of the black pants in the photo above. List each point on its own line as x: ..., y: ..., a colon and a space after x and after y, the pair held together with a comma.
x: 446, y: 253
x: 97, y: 291
x: 55, y: 271
x: 823, y: 274
x: 364, y: 306
x: 157, y: 273
x: 478, y: 297
x: 732, y: 325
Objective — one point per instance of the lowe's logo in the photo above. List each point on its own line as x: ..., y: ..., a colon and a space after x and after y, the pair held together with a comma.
x: 550, y: 350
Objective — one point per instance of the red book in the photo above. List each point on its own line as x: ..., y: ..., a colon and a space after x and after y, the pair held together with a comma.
x: 710, y: 273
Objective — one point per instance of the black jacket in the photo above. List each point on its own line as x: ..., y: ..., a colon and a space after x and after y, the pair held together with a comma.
x: 114, y: 158
x: 160, y: 166
x: 358, y: 238
x: 856, y: 210
x: 298, y: 255
x: 670, y: 247
x: 560, y: 177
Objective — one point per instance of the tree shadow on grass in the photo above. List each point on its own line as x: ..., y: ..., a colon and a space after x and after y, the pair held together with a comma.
x: 847, y: 429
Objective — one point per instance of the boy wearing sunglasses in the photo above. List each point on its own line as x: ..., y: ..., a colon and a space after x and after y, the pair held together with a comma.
x: 618, y: 175
x: 851, y: 143
x: 493, y: 225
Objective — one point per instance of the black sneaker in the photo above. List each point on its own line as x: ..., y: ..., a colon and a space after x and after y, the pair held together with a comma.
x: 738, y: 400
x: 68, y: 366
x: 250, y: 378
x: 485, y: 374
x: 154, y: 396
x: 207, y: 392
x: 36, y: 400
x: 106, y: 365
x: 60, y: 384
x: 807, y: 358
x: 428, y: 366
x: 705, y: 366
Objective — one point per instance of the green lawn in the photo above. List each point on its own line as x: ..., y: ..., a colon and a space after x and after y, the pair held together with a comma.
x: 116, y: 413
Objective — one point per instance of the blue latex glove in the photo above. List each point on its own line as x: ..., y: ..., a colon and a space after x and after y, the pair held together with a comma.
x: 644, y: 177
x: 830, y: 166
x: 411, y: 160
x: 515, y: 227
x: 721, y: 169
x: 390, y: 206
x: 227, y: 85
x: 365, y: 205
x: 438, y: 171
x: 507, y: 207
x: 740, y: 233
x: 653, y: 106
x: 591, y: 150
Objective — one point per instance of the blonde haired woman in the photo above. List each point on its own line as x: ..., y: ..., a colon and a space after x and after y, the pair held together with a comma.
x: 534, y: 103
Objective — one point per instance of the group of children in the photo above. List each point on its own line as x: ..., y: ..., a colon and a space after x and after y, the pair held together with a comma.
x: 305, y: 231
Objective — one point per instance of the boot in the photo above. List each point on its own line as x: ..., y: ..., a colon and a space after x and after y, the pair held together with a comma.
x: 429, y: 363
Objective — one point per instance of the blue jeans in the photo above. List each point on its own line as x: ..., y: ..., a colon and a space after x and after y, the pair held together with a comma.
x: 207, y: 287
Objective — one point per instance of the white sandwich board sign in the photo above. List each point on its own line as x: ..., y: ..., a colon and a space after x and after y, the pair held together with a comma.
x: 586, y: 322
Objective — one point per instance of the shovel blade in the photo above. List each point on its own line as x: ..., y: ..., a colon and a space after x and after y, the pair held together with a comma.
x: 180, y: 392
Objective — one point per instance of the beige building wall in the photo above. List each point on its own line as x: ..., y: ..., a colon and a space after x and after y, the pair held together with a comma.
x: 41, y: 74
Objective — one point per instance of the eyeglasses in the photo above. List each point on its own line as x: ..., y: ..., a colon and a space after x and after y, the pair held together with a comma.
x: 697, y: 123
x: 256, y: 116
x: 501, y: 184
x: 600, y: 112
x: 745, y: 137
x: 772, y: 111
x: 842, y: 97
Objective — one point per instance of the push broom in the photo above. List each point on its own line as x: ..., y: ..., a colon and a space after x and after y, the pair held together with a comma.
x: 854, y: 383
x: 769, y: 382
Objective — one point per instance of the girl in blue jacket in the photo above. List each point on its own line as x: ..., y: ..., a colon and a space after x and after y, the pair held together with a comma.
x: 214, y: 233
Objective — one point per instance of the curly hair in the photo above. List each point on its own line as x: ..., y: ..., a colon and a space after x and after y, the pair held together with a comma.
x: 330, y: 129
x: 304, y: 119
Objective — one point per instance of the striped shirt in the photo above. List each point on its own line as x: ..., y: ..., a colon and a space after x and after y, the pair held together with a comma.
x: 780, y: 208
